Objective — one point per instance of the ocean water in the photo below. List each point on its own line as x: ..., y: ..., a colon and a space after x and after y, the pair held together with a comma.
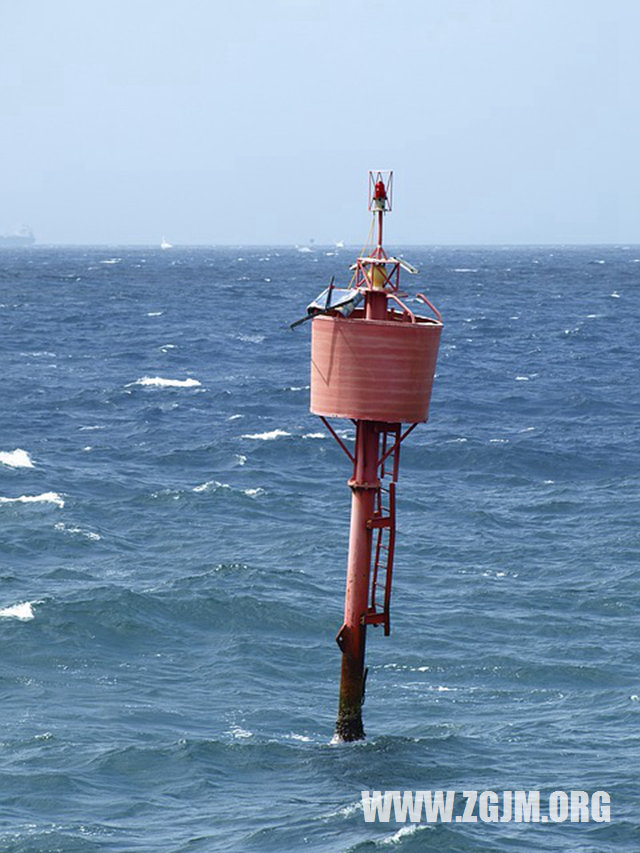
x: 173, y: 535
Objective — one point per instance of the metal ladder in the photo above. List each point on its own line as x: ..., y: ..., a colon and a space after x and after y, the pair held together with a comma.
x: 383, y: 523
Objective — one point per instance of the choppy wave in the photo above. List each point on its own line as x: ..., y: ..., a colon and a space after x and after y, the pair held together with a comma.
x: 87, y: 534
x: 253, y: 493
x: 216, y: 485
x: 22, y: 611
x: 239, y: 733
x: 268, y: 436
x: 161, y: 382
x: 211, y: 486
x: 16, y: 459
x: 46, y: 497
x: 404, y: 832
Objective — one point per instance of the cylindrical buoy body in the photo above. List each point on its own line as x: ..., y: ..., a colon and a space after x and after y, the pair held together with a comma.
x: 375, y: 370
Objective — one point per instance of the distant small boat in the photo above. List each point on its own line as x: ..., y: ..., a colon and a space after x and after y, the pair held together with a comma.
x: 165, y: 244
x: 340, y: 244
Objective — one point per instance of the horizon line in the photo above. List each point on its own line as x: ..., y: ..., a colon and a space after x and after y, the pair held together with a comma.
x: 38, y: 245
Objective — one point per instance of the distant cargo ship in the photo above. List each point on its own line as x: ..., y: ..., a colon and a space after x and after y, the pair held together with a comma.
x: 21, y: 237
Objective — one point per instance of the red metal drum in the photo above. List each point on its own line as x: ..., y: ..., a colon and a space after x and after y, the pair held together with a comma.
x: 373, y: 370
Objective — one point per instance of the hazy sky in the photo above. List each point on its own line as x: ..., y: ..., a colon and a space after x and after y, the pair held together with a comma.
x: 255, y: 121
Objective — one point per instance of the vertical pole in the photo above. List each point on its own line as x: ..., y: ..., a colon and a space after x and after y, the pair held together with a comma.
x: 364, y: 487
x: 363, y: 491
x: 380, y: 215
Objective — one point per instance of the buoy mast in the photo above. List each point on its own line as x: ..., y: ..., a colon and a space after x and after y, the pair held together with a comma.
x: 373, y: 363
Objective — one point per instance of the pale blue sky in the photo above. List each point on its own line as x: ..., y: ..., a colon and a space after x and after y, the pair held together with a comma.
x: 255, y: 121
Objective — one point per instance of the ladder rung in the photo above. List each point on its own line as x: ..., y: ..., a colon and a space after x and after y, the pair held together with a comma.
x: 376, y: 523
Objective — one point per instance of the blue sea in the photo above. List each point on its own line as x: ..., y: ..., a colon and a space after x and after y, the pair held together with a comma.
x: 173, y: 535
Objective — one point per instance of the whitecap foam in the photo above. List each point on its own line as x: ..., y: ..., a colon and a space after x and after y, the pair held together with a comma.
x: 314, y: 435
x: 267, y: 436
x: 345, y: 811
x: 22, y: 611
x: 88, y: 534
x: 615, y: 295
x: 16, y: 458
x: 240, y: 733
x: 161, y: 382
x: 155, y: 313
x: 211, y: 486
x: 46, y: 497
x: 403, y: 832
x: 111, y: 261
x: 347, y: 434
x: 522, y: 378
x: 253, y: 493
x: 240, y: 459
x: 234, y: 417
x: 465, y: 269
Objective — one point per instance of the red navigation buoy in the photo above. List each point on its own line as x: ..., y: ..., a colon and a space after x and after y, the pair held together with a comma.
x: 373, y: 361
